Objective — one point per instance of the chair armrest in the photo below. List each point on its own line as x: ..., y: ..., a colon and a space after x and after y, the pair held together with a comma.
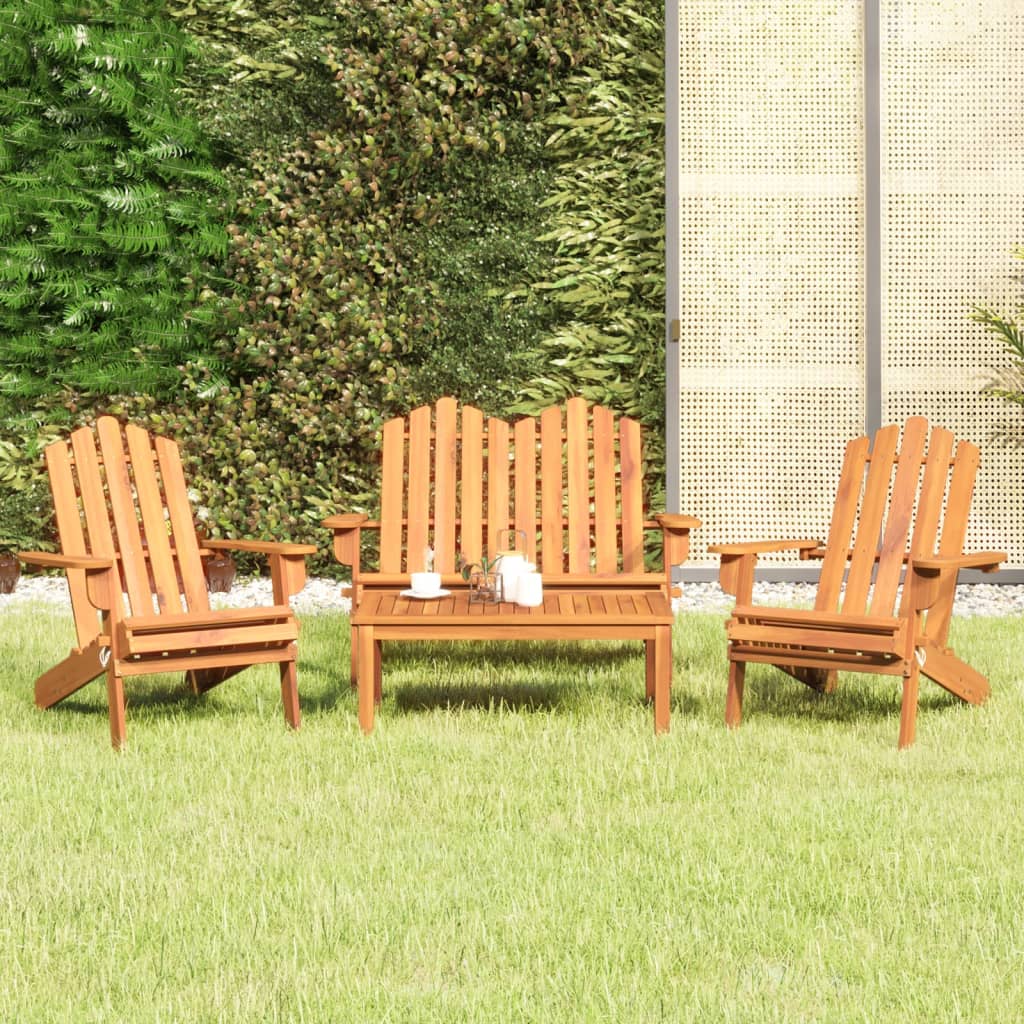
x: 986, y: 561
x: 260, y: 547
x: 101, y: 582
x: 736, y: 573
x: 48, y: 560
x: 675, y: 539
x: 345, y: 521
x: 287, y: 562
x: 346, y: 529
x: 760, y: 547
x: 930, y: 578
x: 675, y: 521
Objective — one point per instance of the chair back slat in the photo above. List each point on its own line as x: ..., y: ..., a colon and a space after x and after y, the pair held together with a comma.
x: 958, y: 499
x: 924, y: 539
x: 122, y: 494
x: 571, y: 481
x: 125, y: 516
x: 471, y: 499
x: 896, y: 531
x: 189, y: 564
x: 631, y: 483
x: 419, y: 505
x: 498, y: 493
x: 392, y: 512
x: 606, y: 540
x: 552, y: 493
x: 524, y: 436
x: 577, y: 453
x: 891, y: 514
x: 844, y: 518
x: 95, y: 510
x: 954, y: 526
x: 445, y: 472
x: 71, y: 536
x: 152, y: 506
x: 869, y: 526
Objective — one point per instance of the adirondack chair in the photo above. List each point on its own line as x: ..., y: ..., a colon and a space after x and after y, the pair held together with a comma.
x: 897, y: 506
x: 570, y: 480
x: 135, y: 573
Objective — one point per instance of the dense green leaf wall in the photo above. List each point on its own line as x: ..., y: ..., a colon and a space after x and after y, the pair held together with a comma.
x: 431, y: 198
x: 108, y: 202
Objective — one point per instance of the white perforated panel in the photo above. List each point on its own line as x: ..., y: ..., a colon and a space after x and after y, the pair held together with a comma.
x: 952, y: 213
x: 771, y: 252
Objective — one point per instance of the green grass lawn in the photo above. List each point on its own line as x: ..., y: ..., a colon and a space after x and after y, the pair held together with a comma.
x: 513, y: 843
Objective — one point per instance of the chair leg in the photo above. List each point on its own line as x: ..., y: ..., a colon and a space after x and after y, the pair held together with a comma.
x: 368, y: 676
x: 290, y: 693
x: 908, y: 707
x: 74, y: 672
x: 115, y: 701
x: 734, y: 694
x: 354, y: 658
x: 650, y: 666
x: 662, y: 645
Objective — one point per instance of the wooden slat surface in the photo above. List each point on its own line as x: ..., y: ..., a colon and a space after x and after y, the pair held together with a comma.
x: 154, y: 525
x: 124, y: 516
x: 552, y: 559
x: 445, y: 473
x: 606, y: 540
x: 896, y: 533
x: 418, y: 512
x: 865, y: 547
x: 577, y: 454
x: 498, y: 507
x: 568, y: 608
x: 392, y: 509
x: 72, y: 537
x: 840, y: 532
x: 526, y: 503
x: 183, y: 531
x: 471, y: 502
x: 632, y: 495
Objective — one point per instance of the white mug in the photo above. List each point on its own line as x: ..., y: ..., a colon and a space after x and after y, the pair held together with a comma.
x: 426, y: 584
x: 529, y: 590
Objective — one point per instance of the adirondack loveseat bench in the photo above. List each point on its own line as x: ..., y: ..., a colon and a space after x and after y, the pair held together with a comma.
x: 570, y: 481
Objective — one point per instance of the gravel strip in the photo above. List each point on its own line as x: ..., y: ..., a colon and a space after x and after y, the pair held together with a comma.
x: 322, y: 595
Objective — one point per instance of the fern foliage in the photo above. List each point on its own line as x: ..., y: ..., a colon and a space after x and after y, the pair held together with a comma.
x: 109, y: 202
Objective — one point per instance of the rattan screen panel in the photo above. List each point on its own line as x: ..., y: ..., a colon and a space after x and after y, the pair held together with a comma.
x: 952, y: 214
x: 771, y: 251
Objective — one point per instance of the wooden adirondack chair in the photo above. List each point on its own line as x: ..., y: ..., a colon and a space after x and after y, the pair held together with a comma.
x: 571, y: 480
x: 135, y: 573
x: 896, y: 506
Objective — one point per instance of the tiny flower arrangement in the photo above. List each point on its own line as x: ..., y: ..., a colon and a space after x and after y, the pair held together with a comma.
x: 483, y: 578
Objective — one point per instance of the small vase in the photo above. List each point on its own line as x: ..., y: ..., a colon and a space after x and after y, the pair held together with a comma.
x: 220, y: 573
x: 484, y: 588
x: 10, y: 570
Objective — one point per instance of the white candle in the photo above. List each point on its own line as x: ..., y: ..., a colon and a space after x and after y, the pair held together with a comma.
x: 529, y: 590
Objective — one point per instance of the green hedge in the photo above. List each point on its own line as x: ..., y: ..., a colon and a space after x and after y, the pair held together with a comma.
x: 431, y: 198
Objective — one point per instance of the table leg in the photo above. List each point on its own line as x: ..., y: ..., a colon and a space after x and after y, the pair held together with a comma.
x: 650, y: 668
x: 368, y: 674
x: 662, y: 676
x: 353, y: 659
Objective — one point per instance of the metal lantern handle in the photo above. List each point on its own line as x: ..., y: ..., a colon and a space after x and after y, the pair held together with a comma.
x: 508, y: 541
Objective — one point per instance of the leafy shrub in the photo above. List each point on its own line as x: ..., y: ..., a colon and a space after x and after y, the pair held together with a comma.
x: 26, y: 509
x: 108, y: 201
x: 327, y: 315
x: 605, y: 218
x: 483, y: 237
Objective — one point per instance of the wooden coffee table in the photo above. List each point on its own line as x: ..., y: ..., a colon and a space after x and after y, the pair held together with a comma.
x: 565, y: 615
